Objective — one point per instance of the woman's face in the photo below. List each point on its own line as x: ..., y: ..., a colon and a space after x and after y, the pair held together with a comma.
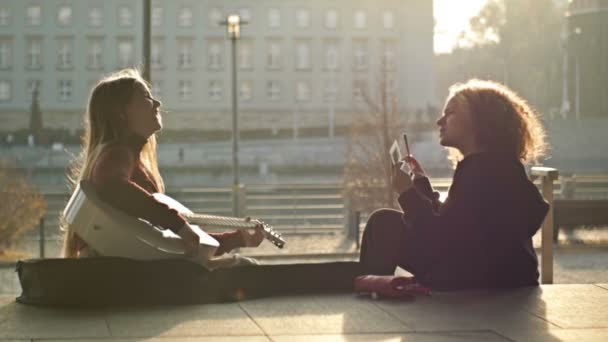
x: 143, y: 116
x: 456, y: 124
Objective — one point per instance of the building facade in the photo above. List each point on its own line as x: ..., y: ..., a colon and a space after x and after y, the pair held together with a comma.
x: 586, y: 60
x: 301, y: 64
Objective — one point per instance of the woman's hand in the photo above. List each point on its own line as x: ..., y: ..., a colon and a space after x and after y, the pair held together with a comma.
x: 414, y: 166
x: 401, y: 181
x: 190, y: 240
x: 255, y: 238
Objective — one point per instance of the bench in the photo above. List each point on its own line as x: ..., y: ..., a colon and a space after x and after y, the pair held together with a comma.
x: 547, y: 177
x: 570, y: 213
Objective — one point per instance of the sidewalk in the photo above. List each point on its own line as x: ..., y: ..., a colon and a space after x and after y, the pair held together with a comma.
x: 548, y: 313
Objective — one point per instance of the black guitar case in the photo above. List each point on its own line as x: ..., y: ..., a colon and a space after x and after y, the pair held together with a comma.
x: 114, y: 281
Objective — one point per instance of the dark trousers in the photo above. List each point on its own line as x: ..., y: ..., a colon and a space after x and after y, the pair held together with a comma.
x: 384, y: 244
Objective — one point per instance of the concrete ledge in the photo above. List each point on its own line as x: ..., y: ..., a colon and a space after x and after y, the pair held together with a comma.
x: 550, y: 313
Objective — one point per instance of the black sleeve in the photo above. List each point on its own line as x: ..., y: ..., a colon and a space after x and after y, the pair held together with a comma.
x: 454, y: 226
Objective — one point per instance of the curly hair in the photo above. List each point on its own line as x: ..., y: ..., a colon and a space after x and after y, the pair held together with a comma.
x: 503, y: 122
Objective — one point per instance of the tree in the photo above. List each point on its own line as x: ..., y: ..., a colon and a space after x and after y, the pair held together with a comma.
x: 21, y: 206
x: 36, y: 125
x: 516, y: 42
x: 367, y: 167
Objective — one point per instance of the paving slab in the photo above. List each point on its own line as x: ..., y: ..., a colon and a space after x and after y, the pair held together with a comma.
x: 478, y: 310
x: 27, y: 322
x: 321, y: 314
x: 404, y: 337
x: 195, y: 320
x: 173, y: 339
x: 571, y: 306
x: 562, y: 335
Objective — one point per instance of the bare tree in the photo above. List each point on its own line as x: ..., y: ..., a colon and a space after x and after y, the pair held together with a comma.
x: 367, y: 169
x: 21, y: 206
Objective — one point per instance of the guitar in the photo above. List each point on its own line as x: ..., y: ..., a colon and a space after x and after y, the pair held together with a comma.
x: 111, y: 232
x: 221, y: 221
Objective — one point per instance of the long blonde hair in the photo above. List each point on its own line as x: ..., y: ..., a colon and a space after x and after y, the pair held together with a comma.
x: 503, y: 122
x: 104, y: 123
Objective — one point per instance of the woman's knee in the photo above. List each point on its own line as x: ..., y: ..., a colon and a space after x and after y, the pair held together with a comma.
x: 384, y: 219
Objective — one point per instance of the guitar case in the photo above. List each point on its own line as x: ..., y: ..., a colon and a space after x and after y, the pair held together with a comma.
x: 117, y: 281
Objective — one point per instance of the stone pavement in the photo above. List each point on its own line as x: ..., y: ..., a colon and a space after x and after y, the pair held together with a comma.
x: 547, y: 313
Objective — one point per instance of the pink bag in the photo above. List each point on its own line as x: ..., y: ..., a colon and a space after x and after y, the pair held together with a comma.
x: 390, y: 286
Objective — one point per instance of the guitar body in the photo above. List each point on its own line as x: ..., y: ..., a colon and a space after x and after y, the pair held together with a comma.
x: 111, y: 232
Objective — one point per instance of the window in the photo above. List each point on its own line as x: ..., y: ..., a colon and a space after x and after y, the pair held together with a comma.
x: 31, y: 86
x: 330, y: 91
x: 274, y: 90
x: 215, y: 56
x: 185, y: 17
x: 64, y: 15
x: 274, y: 55
x: 388, y: 20
x: 95, y: 17
x: 359, y: 90
x: 245, y: 91
x: 33, y: 14
x: 360, y: 19
x: 34, y: 50
x: 331, y: 19
x: 388, y: 56
x: 125, y: 16
x: 215, y: 90
x: 184, y: 54
x: 5, y: 90
x: 125, y: 52
x: 157, y: 16
x: 65, y: 90
x: 5, y: 53
x: 360, y: 55
x: 274, y: 18
x: 303, y: 91
x: 215, y: 17
x: 302, y: 18
x: 4, y: 15
x: 95, y: 53
x: 245, y: 14
x: 331, y: 56
x: 64, y: 53
x: 157, y: 89
x: 185, y: 90
x: 245, y: 54
x: 156, y: 57
x: 302, y: 55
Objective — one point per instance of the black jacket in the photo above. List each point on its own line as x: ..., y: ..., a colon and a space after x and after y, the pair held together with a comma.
x: 481, y: 236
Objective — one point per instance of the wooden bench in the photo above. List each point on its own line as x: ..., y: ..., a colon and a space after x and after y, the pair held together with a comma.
x: 547, y: 177
x: 570, y: 213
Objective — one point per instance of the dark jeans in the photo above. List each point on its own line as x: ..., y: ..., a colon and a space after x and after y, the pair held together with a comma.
x: 385, y: 243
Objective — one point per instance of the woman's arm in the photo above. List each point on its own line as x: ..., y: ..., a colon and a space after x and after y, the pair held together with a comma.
x: 111, y: 177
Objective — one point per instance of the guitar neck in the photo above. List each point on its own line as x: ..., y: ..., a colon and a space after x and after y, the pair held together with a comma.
x: 220, y: 221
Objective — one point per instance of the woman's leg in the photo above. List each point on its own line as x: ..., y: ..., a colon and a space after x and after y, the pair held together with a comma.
x: 383, y: 245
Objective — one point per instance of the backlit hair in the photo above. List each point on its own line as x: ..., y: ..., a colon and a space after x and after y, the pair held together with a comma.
x: 503, y: 122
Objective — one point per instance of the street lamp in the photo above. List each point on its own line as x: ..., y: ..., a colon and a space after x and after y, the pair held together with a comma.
x: 233, y: 25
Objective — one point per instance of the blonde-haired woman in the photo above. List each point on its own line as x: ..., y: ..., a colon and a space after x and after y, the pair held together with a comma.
x: 481, y: 236
x: 119, y: 159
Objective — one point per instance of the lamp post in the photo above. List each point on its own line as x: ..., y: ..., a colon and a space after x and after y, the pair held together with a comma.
x: 233, y: 25
x: 147, y: 11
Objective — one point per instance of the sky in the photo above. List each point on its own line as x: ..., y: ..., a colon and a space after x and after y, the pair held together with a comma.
x: 452, y: 17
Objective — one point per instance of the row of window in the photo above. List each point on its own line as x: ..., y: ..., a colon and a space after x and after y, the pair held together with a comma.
x: 185, y: 54
x: 303, y: 90
x: 185, y: 17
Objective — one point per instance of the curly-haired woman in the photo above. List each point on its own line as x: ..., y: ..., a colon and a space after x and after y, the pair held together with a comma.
x: 481, y: 235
